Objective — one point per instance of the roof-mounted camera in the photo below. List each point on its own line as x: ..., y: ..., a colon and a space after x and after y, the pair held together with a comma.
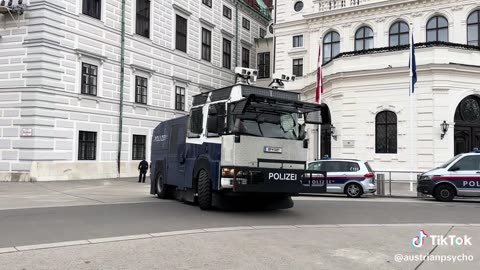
x: 279, y: 80
x: 246, y: 75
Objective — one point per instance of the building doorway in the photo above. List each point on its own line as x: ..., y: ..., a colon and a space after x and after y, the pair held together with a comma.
x: 467, y: 125
x: 325, y: 136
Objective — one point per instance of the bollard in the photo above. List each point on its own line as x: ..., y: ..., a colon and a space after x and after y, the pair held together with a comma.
x: 380, y: 184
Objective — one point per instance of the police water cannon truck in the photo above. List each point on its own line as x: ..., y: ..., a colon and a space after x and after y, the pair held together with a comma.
x: 240, y: 142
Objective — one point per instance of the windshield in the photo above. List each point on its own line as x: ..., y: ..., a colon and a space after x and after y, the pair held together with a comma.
x: 445, y: 165
x: 267, y: 124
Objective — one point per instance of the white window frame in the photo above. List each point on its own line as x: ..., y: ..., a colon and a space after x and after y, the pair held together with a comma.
x: 92, y: 60
x: 134, y: 19
x: 148, y: 74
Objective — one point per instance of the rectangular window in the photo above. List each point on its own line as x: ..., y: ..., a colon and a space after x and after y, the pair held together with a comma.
x: 227, y: 12
x: 246, y: 23
x: 206, y: 44
x: 143, y: 18
x: 179, y: 98
x: 181, y: 34
x: 219, y: 118
x: 87, y: 145
x: 138, y: 148
x: 298, y: 67
x: 263, y: 33
x: 298, y: 41
x: 227, y: 53
x: 208, y: 3
x: 263, y: 61
x: 245, y: 58
x: 141, y: 87
x: 89, y: 79
x: 195, y: 124
x: 92, y: 8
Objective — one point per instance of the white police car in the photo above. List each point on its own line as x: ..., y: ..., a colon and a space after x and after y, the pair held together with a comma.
x: 460, y: 176
x: 350, y: 176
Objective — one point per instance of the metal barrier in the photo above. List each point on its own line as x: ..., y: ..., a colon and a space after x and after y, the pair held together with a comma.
x: 397, y: 183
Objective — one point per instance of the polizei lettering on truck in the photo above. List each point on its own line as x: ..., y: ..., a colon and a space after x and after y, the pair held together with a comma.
x: 282, y: 176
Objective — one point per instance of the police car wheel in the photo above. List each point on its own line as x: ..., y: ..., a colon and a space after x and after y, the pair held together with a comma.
x: 161, y: 188
x: 444, y: 193
x: 204, y: 191
x: 353, y: 190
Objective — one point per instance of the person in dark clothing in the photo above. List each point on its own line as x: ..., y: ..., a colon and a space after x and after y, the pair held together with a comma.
x: 143, y: 168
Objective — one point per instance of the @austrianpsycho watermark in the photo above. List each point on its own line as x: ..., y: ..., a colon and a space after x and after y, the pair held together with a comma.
x: 440, y: 240
x: 462, y: 258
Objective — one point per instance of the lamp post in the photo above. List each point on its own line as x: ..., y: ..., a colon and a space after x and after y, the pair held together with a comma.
x: 444, y: 127
x: 332, y: 130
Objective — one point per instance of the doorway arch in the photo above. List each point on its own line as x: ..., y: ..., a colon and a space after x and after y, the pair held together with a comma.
x: 467, y: 125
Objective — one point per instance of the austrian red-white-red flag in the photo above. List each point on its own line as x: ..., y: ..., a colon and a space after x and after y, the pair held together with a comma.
x: 319, y: 89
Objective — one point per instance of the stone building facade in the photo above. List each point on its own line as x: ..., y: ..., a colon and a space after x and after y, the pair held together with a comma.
x: 60, y: 78
x: 365, y: 45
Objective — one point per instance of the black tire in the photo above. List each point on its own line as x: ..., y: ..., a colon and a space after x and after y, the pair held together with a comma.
x: 444, y: 193
x: 204, y: 191
x: 161, y: 188
x: 353, y: 190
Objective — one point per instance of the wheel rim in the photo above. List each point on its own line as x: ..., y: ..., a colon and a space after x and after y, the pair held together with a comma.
x: 353, y: 190
x: 444, y: 193
x: 159, y: 184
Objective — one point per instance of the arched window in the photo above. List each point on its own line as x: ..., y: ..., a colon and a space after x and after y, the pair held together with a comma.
x: 364, y: 38
x: 386, y: 133
x: 437, y: 29
x: 473, y: 28
x: 399, y: 34
x: 331, y: 46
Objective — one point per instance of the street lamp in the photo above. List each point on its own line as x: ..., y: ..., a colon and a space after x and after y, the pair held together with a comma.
x: 444, y: 127
x: 332, y: 132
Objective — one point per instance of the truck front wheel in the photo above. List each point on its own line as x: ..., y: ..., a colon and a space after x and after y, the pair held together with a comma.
x: 204, y: 191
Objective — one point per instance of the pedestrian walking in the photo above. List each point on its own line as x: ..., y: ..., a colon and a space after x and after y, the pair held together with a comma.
x: 143, y: 168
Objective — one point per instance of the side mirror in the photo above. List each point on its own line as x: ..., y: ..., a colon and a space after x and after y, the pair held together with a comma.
x: 454, y: 168
x: 305, y: 143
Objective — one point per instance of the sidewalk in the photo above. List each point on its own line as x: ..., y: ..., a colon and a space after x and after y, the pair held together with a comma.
x: 15, y: 195
x: 275, y: 247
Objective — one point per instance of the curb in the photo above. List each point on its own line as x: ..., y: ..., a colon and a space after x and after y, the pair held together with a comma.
x: 212, y: 230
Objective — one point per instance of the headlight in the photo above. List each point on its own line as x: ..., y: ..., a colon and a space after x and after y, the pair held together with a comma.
x: 228, y: 172
x: 424, y: 177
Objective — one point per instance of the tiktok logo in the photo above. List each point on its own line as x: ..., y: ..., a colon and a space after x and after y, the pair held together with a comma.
x: 418, y: 241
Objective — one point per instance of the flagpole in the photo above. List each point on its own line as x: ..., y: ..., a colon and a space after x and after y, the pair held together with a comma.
x: 410, y: 93
x: 319, y: 127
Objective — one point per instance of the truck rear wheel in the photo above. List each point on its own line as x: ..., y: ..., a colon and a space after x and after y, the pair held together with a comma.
x: 162, y: 192
x: 204, y: 191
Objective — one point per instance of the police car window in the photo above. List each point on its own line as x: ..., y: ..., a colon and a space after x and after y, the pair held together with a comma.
x: 445, y: 165
x: 350, y: 167
x: 331, y: 166
x: 314, y: 166
x: 468, y: 163
x: 195, y: 125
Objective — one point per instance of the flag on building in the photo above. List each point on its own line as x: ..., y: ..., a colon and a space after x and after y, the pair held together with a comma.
x: 319, y: 89
x: 413, y: 66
